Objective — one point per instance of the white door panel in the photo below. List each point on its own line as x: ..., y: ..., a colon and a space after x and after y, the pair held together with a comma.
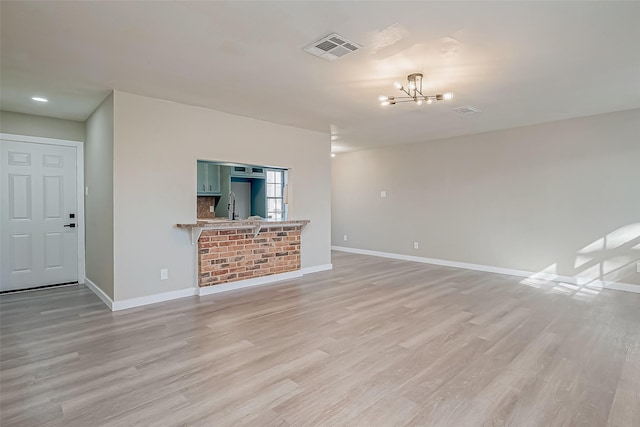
x: 39, y: 193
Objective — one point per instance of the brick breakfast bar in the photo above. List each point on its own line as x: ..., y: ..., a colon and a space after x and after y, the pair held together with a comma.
x: 229, y: 251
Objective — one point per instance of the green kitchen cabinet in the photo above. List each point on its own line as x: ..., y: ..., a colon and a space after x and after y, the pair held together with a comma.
x: 257, y: 172
x: 245, y: 171
x: 240, y: 171
x: 208, y: 179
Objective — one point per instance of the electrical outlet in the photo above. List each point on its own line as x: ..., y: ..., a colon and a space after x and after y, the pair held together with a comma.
x: 164, y: 274
x: 416, y: 245
x: 86, y: 191
x: 212, y: 209
x: 383, y: 194
x: 344, y: 237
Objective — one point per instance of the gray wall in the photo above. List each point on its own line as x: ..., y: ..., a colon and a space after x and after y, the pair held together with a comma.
x: 157, y: 144
x: 98, y: 175
x: 46, y: 127
x: 563, y: 198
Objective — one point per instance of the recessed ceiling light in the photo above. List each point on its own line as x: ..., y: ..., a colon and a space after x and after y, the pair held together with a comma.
x: 333, y: 154
x: 39, y: 99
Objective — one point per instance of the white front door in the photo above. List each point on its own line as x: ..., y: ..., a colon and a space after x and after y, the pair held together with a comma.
x: 39, y: 201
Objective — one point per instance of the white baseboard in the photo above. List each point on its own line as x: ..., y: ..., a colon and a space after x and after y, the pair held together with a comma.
x: 99, y: 293
x: 240, y: 284
x: 317, y: 268
x: 618, y: 286
x: 207, y: 290
x: 152, y: 299
x: 499, y: 270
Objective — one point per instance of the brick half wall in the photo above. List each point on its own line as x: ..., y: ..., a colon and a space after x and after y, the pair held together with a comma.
x: 230, y: 255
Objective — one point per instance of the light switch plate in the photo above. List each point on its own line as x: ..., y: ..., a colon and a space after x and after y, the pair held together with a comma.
x: 416, y: 245
x: 164, y: 274
x: 638, y: 267
x: 212, y: 209
x: 383, y: 194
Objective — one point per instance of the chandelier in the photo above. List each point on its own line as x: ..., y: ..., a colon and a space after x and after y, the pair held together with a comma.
x: 414, y: 93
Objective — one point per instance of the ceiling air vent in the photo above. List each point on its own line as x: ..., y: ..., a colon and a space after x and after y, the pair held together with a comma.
x: 466, y: 110
x: 332, y: 47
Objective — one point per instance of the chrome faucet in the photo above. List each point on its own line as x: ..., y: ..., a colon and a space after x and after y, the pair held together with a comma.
x: 232, y: 206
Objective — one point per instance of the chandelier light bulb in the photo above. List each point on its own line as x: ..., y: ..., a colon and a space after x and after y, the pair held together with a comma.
x: 413, y: 93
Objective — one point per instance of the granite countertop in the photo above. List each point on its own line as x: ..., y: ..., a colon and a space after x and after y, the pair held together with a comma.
x: 227, y: 224
x: 243, y: 223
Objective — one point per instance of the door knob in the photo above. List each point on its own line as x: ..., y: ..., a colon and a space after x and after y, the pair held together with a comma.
x: 70, y: 225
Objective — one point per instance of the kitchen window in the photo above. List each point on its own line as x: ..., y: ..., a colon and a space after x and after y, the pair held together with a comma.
x: 275, y: 194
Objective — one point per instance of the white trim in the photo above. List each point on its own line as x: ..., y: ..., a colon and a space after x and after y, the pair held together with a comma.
x: 206, y: 290
x: 153, y: 299
x: 79, y: 146
x: 257, y: 281
x: 99, y: 292
x: 499, y: 270
x: 317, y: 268
x: 39, y: 140
x: 618, y: 286
x: 80, y: 211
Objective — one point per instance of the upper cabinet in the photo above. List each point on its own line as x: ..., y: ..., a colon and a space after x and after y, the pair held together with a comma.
x: 257, y: 172
x: 244, y: 171
x: 208, y: 179
x: 241, y: 171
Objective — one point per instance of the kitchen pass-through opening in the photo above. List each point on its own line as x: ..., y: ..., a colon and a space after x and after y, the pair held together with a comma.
x: 238, y: 191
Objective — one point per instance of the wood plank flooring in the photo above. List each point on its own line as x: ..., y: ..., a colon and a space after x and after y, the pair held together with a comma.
x: 375, y: 342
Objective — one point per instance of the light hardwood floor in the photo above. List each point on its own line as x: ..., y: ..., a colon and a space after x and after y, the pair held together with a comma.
x: 375, y: 342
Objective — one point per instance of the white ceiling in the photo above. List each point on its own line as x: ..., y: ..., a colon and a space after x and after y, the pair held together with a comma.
x: 519, y: 62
